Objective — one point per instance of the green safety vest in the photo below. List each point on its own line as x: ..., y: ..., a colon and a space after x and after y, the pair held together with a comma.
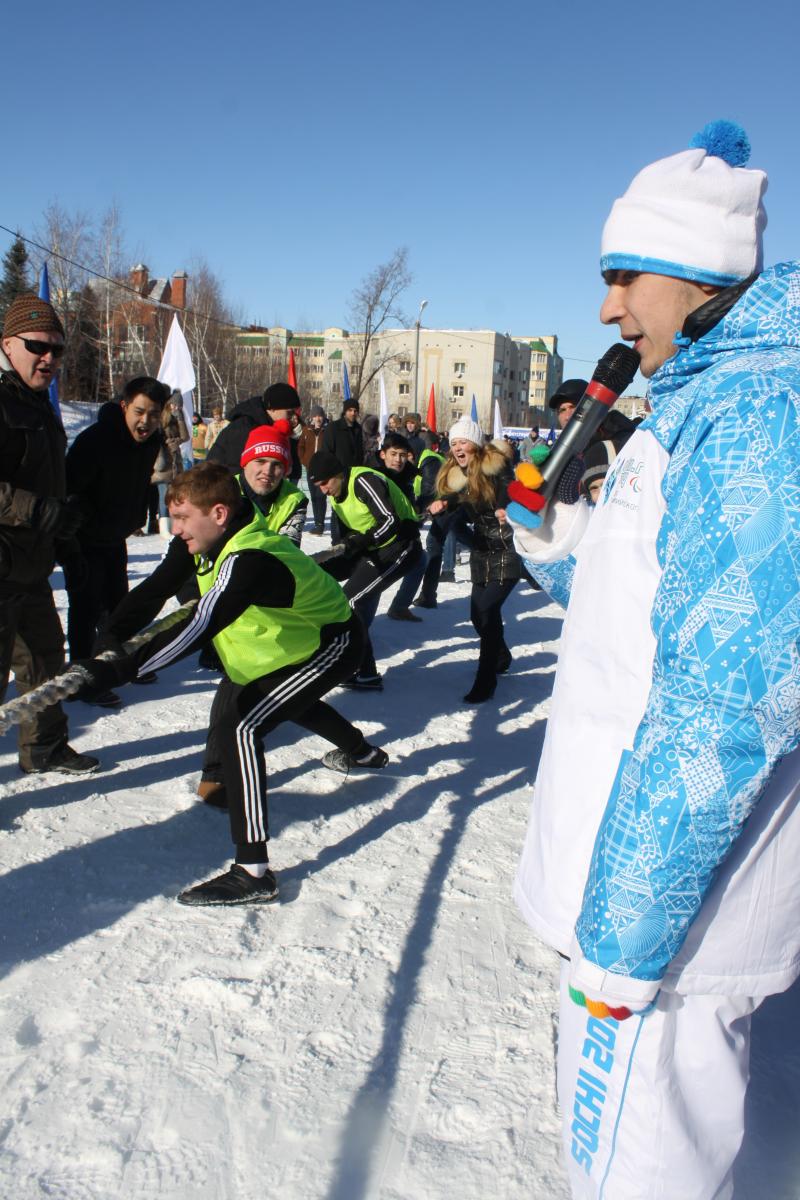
x: 353, y: 513
x: 418, y: 481
x: 286, y: 501
x: 264, y: 639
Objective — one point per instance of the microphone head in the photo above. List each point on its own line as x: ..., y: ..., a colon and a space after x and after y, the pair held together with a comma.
x: 617, y: 367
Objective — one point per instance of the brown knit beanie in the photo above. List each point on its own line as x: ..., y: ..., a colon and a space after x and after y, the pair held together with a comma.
x: 29, y: 314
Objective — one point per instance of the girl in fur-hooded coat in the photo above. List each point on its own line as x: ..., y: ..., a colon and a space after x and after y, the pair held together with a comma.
x: 473, y: 480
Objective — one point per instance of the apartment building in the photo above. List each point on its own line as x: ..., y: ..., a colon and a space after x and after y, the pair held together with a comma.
x: 458, y: 363
x: 547, y: 372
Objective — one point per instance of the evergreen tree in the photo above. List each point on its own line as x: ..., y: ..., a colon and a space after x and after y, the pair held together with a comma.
x: 15, y: 279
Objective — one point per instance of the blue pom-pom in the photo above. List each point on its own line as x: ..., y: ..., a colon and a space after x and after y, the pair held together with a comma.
x: 723, y: 139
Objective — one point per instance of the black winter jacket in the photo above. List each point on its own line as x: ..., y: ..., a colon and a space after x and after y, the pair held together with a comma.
x: 492, y: 553
x: 345, y: 441
x: 110, y: 473
x: 32, y: 448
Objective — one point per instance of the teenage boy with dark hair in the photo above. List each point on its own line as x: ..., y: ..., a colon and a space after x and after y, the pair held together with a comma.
x: 396, y: 463
x: 285, y: 635
x: 381, y: 539
x: 108, y: 471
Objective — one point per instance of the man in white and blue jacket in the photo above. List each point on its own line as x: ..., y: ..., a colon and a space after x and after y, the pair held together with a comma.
x: 662, y: 859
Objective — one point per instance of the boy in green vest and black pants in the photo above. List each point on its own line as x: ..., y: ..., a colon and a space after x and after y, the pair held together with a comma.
x: 381, y: 540
x: 285, y: 634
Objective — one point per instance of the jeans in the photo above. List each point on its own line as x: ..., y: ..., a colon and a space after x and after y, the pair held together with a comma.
x: 319, y: 503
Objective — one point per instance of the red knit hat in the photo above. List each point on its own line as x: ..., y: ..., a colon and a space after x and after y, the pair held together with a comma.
x: 269, y: 441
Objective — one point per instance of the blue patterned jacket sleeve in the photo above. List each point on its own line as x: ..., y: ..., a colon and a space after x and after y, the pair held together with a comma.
x: 722, y: 710
x: 554, y: 578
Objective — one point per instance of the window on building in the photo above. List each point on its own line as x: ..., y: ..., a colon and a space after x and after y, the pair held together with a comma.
x: 457, y: 414
x: 538, y: 375
x: 404, y: 366
x: 511, y: 375
x: 459, y: 368
x: 496, y: 391
x: 540, y: 358
x: 498, y: 367
x: 404, y: 389
x: 458, y: 391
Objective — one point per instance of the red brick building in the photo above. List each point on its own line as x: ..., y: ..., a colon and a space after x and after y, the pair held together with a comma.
x: 139, y: 328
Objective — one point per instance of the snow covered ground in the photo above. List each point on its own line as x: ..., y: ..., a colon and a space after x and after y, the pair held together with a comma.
x: 386, y: 1030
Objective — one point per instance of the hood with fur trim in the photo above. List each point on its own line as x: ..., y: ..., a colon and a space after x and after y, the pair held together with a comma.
x: 493, y: 463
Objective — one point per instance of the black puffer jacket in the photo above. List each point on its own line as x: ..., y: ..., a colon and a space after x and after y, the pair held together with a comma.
x: 244, y: 418
x: 110, y: 472
x: 32, y: 448
x: 492, y: 553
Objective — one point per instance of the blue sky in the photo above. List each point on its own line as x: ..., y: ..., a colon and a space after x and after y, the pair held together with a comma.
x: 295, y: 147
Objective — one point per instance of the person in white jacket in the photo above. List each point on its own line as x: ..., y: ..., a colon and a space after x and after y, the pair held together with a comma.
x: 662, y: 859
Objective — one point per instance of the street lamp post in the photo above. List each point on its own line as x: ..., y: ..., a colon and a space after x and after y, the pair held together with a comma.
x: 416, y: 358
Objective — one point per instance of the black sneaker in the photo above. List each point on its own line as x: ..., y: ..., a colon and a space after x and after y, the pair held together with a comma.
x: 371, y: 758
x: 236, y: 886
x: 67, y: 762
x: 402, y: 614
x: 447, y: 577
x: 364, y: 683
x: 318, y: 530
x: 421, y: 602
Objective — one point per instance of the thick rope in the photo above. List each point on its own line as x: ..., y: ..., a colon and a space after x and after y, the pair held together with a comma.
x: 54, y: 690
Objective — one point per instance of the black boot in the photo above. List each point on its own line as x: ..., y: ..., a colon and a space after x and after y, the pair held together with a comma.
x: 482, y: 689
x: 504, y: 660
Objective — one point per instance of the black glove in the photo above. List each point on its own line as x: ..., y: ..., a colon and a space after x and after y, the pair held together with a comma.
x: 105, y: 674
x: 108, y: 643
x: 408, y: 530
x: 60, y: 518
x: 356, y: 543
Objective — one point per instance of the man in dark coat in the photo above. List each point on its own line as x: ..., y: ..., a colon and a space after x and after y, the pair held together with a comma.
x: 344, y: 439
x: 37, y: 522
x: 108, y: 470
x: 279, y: 401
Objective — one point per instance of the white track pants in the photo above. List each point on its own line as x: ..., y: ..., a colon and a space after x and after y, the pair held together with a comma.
x: 653, y: 1107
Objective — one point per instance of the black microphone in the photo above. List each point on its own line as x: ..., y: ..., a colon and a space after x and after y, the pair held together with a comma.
x: 612, y: 375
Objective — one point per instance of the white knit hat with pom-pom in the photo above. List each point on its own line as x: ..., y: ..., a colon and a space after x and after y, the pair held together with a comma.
x: 696, y: 215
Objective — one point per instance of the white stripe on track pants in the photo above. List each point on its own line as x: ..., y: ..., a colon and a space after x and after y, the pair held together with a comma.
x: 652, y: 1107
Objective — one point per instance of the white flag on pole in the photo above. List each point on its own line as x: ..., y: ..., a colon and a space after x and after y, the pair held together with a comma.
x: 176, y: 371
x: 383, y: 417
x: 498, y: 421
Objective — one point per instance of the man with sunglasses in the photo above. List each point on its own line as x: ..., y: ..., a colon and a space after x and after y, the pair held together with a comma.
x: 37, y: 525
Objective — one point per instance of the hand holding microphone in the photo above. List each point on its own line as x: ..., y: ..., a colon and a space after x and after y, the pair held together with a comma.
x: 534, y: 486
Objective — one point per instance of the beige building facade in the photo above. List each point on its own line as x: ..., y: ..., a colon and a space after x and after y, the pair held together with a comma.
x: 458, y: 363
x: 547, y: 373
